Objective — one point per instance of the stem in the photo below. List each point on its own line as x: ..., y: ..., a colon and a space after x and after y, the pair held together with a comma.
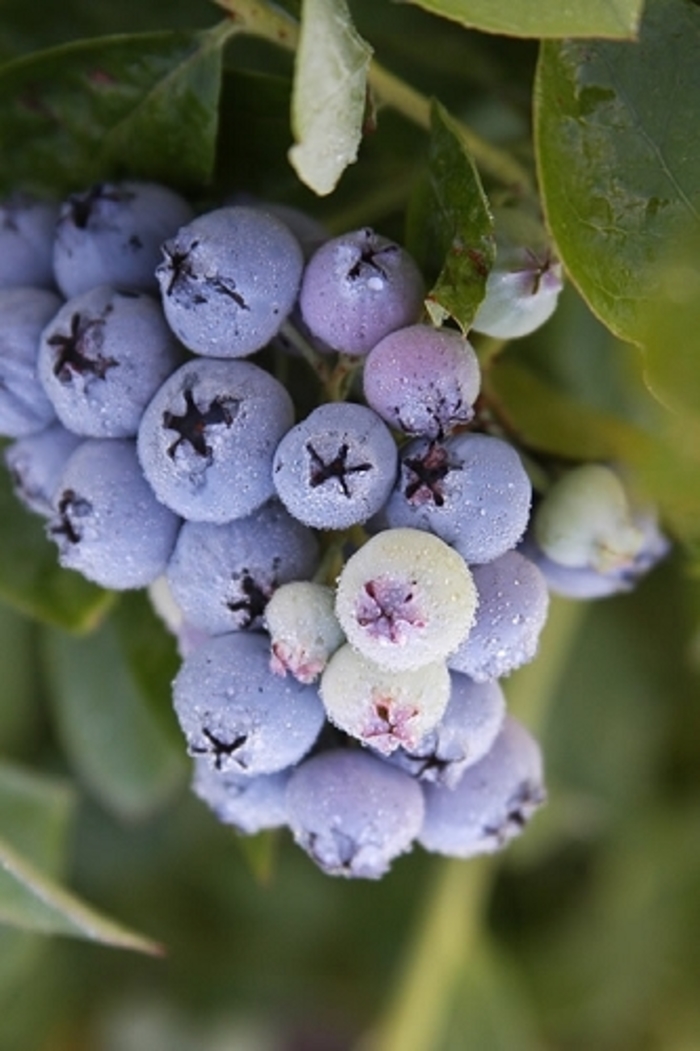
x: 499, y: 164
x: 265, y: 20
x: 317, y: 361
x: 448, y: 929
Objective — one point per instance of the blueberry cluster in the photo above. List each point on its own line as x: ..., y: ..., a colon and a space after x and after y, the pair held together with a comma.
x: 347, y: 588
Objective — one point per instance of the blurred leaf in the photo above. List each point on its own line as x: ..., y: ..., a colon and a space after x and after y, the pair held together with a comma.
x: 31, y: 579
x: 450, y: 229
x: 31, y: 900
x: 35, y: 815
x: 17, y: 672
x: 150, y: 652
x: 106, y: 727
x: 618, y: 169
x: 85, y: 111
x: 546, y: 18
x: 260, y: 852
x: 547, y: 420
x: 329, y: 94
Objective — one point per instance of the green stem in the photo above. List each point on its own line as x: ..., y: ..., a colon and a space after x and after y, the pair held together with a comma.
x: 415, y: 1018
x: 265, y: 20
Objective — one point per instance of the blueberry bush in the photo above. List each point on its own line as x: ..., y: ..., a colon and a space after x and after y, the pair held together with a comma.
x: 420, y: 569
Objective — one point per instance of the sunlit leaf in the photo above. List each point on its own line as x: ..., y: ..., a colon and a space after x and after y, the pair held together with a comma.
x: 545, y: 18
x: 329, y: 95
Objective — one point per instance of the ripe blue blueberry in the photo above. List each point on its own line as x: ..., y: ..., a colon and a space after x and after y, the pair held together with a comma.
x: 337, y: 467
x: 24, y: 407
x: 352, y: 813
x: 250, y: 804
x: 207, y: 439
x: 491, y: 803
x: 229, y: 279
x: 470, y: 489
x: 222, y: 576
x: 36, y: 463
x: 512, y: 610
x: 103, y: 357
x: 238, y: 715
x: 26, y: 242
x: 106, y: 521
x: 111, y: 234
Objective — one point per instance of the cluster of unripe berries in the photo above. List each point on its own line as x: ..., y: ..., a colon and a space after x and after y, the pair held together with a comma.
x: 347, y: 588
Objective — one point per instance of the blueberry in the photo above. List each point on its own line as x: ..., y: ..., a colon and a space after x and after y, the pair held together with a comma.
x: 357, y: 288
x: 26, y: 242
x: 228, y: 281
x: 111, y: 233
x: 470, y: 489
x: 36, y: 463
x: 422, y: 380
x: 492, y: 802
x: 472, y: 720
x: 239, y: 716
x: 250, y: 804
x: 382, y: 708
x: 304, y: 630
x: 352, y: 813
x: 337, y: 467
x: 513, y: 603
x: 405, y: 599
x: 208, y: 436
x: 24, y: 406
x: 222, y: 576
x: 106, y: 521
x: 103, y: 357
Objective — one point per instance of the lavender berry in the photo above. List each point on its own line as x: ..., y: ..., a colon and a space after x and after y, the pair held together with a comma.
x: 24, y: 406
x: 357, y: 288
x: 352, y: 813
x: 422, y: 380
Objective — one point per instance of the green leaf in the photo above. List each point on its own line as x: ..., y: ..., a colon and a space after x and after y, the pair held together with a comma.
x: 18, y: 708
x: 35, y: 814
x: 89, y: 110
x: 31, y: 900
x: 329, y: 94
x: 619, y: 170
x: 31, y: 579
x: 150, y: 652
x: 544, y: 18
x: 450, y: 228
x: 106, y: 728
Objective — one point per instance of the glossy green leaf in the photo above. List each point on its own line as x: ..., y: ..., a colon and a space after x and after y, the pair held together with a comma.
x: 543, y: 18
x: 31, y: 579
x: 450, y: 230
x: 329, y: 94
x: 619, y: 167
x: 88, y: 110
x: 108, y: 732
